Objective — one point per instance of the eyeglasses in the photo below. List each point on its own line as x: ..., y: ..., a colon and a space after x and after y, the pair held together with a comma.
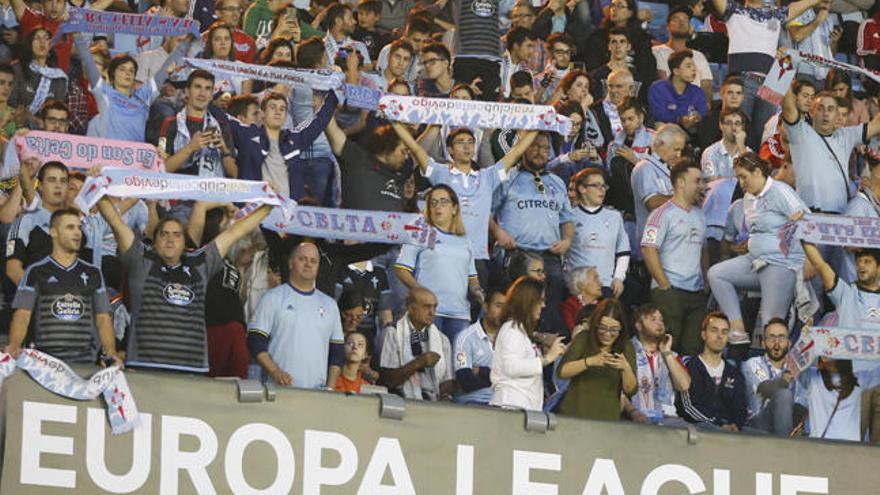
x: 440, y: 202
x: 604, y: 187
x: 539, y: 184
x: 609, y: 330
x: 771, y: 338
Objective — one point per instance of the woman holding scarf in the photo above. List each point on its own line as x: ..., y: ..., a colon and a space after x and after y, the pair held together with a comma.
x: 600, y: 364
x: 122, y: 109
x: 37, y: 77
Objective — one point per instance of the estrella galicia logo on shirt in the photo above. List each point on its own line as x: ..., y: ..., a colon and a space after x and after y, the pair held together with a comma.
x: 68, y: 308
x: 178, y: 294
x: 483, y: 8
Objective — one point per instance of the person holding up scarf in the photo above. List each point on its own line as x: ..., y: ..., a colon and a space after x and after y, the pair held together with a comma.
x: 122, y: 108
x: 600, y: 364
x: 866, y: 204
x: 36, y: 76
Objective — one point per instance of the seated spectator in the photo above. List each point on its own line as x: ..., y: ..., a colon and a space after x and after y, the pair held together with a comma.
x: 351, y: 378
x: 520, y: 46
x: 368, y: 14
x: 619, y: 60
x: 340, y: 25
x: 561, y: 48
x: 620, y: 86
x: 731, y: 98
x: 229, y: 13
x: 659, y: 371
x: 437, y: 61
x: 676, y: 99
x: 716, y: 399
x: 840, y: 83
x: 517, y: 363
x: 75, y: 292
x: 620, y: 14
x: 368, y: 285
x: 630, y: 146
x: 601, y: 365
x: 416, y: 358
x: 586, y: 289
x: 572, y: 152
x: 769, y: 385
x: 473, y: 350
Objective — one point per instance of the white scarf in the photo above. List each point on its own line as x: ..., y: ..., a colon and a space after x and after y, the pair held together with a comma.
x: 412, y: 388
x: 47, y: 74
x: 208, y: 159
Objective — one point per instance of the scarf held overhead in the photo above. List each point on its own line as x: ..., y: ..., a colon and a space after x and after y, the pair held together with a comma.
x: 471, y: 113
x: 317, y: 79
x: 93, y: 21
x: 783, y: 72
x: 85, y: 152
x: 57, y: 377
x: 834, y: 230
x: 832, y: 343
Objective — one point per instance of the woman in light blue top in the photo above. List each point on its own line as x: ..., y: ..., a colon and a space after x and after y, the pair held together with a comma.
x: 767, y: 206
x: 122, y: 108
x: 447, y: 270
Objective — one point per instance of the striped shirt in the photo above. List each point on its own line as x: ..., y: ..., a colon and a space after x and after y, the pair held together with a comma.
x: 477, y: 30
x: 63, y: 302
x: 168, y: 307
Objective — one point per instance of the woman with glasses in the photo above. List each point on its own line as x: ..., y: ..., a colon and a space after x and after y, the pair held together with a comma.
x: 518, y: 362
x: 573, y: 152
x: 768, y: 205
x: 123, y: 108
x: 219, y: 46
x: 474, y: 185
x: 600, y: 363
x: 601, y: 239
x: 448, y: 269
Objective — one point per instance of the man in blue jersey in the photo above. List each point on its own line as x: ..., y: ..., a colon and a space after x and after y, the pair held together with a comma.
x: 675, y: 253
x: 857, y: 305
x: 473, y: 350
x: 600, y: 237
x: 532, y: 207
x: 769, y: 385
x: 296, y: 333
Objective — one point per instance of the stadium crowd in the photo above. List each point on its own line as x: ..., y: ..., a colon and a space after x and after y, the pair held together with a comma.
x: 628, y: 270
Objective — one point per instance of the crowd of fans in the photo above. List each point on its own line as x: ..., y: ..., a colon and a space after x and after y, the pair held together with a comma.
x: 587, y: 274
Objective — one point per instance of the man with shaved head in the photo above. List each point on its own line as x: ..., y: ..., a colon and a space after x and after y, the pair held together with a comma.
x: 296, y: 333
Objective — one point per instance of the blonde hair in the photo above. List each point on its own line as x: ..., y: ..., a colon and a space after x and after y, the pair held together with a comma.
x: 457, y: 227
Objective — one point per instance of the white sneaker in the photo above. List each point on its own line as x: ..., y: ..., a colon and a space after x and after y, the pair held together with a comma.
x: 738, y: 337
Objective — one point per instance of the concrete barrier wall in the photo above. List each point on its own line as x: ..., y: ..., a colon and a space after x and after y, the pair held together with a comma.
x: 198, y: 437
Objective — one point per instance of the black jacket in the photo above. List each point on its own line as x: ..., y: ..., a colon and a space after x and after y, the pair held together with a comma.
x: 706, y: 402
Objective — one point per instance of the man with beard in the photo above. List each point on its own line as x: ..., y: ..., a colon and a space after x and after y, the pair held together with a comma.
x: 533, y: 208
x: 856, y: 304
x: 769, y: 384
x: 340, y: 23
x: 473, y: 350
x: 65, y: 300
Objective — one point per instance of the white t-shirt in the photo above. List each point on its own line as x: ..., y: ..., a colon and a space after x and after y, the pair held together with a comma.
x: 714, y: 371
x: 662, y: 53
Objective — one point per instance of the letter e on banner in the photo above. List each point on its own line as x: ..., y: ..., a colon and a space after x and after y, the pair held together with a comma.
x: 35, y: 443
x: 523, y: 463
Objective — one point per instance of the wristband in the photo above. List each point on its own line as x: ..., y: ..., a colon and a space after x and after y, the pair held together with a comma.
x: 666, y: 354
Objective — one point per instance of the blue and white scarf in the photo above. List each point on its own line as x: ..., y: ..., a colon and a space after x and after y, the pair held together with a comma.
x: 47, y: 74
x: 655, y: 392
x: 209, y: 160
x: 317, y: 79
x: 57, y: 377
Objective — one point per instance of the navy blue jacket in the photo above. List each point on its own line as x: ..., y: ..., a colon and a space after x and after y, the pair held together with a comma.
x: 252, y: 144
x: 706, y: 402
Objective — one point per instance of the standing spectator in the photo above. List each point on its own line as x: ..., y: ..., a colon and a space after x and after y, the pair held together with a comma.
x: 518, y: 364
x: 811, y: 32
x: 659, y: 371
x: 600, y: 363
x: 717, y: 160
x: 474, y: 186
x: 196, y: 143
x: 123, y: 109
x: 677, y: 99
x: 167, y: 289
x: 417, y: 34
x: 630, y: 146
x: 651, y: 184
x: 340, y: 24
x: 37, y: 78
x: 600, y: 236
x: 754, y: 32
x: 833, y: 393
x: 674, y: 246
x: 716, y: 398
x: 351, y: 378
x: 840, y: 83
x: 620, y: 60
x: 416, y: 358
x: 731, y: 98
x: 621, y: 14
x: 477, y: 47
x: 399, y: 57
x: 296, y: 334
x: 620, y: 87
x: 257, y: 21
x: 533, y: 209
x: 769, y: 384
x: 767, y: 206
x: 573, y: 152
x: 855, y: 303
x: 229, y: 13
x: 864, y: 204
x: 561, y: 47
x: 368, y: 14
x: 678, y: 23
x: 219, y: 45
x: 65, y: 300
x: 7, y: 117
x: 473, y: 350
x: 520, y: 46
x: 438, y: 82
x: 523, y: 15
x: 370, y: 282
x: 448, y: 269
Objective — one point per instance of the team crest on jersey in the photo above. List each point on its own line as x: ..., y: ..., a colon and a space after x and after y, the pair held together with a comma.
x: 10, y: 248
x: 322, y: 311
x: 178, y: 294
x: 873, y: 313
x: 650, y: 234
x: 68, y: 307
x: 461, y: 359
